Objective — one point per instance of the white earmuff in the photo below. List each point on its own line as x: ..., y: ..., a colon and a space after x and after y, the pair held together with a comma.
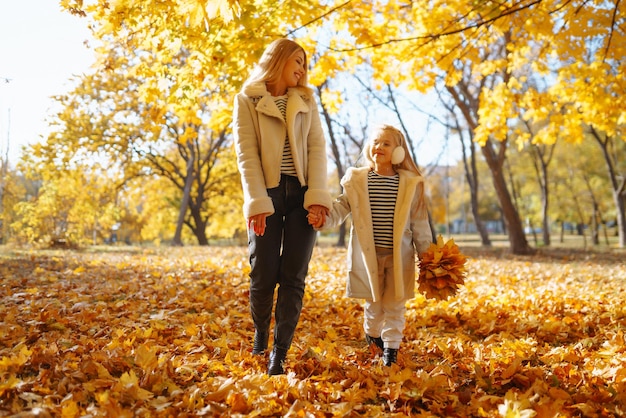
x: 397, y: 156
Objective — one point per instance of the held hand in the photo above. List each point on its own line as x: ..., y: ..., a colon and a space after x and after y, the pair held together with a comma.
x: 257, y: 224
x: 313, y: 220
x: 317, y: 216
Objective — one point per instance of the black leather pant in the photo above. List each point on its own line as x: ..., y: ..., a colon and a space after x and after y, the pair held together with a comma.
x: 281, y: 257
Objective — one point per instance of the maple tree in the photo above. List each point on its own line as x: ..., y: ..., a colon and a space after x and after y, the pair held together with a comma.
x: 581, y: 179
x: 577, y: 183
x: 469, y: 158
x: 165, y: 332
x: 553, y: 64
x: 71, y: 207
x: 104, y: 119
x: 14, y: 190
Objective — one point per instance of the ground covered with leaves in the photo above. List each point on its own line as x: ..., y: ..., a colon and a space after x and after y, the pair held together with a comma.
x: 167, y: 333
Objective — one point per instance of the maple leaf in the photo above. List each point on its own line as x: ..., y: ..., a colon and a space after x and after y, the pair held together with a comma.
x: 128, y: 384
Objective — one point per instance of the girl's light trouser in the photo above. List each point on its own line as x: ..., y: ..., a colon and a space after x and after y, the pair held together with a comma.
x: 385, y: 318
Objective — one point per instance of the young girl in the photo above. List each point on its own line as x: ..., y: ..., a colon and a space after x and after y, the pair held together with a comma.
x: 389, y: 225
x: 281, y: 154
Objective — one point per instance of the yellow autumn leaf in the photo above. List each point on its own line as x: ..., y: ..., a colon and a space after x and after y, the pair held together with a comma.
x: 503, y: 346
x: 69, y: 409
x: 145, y: 357
x: 441, y: 269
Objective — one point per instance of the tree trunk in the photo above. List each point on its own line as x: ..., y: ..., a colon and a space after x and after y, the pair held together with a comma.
x: 595, y: 227
x: 469, y: 165
x: 541, y: 157
x: 334, y: 146
x: 517, y: 238
x: 471, y: 174
x: 480, y: 225
x: 618, y: 182
x: 545, y: 199
x: 341, y: 239
x: 620, y: 203
x: 199, y: 227
x: 177, y: 240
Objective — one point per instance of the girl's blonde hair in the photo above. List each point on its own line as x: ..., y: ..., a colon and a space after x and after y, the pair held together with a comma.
x: 379, y: 132
x: 270, y: 67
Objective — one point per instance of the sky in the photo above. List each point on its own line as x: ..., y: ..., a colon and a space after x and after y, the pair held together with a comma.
x: 41, y: 49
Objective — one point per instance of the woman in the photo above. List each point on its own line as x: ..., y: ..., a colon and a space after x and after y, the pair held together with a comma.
x: 281, y: 154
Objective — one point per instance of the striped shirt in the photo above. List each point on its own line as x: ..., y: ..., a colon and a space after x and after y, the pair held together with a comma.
x: 383, y: 191
x: 286, y: 166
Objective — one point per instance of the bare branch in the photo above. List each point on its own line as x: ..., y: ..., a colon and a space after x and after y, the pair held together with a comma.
x: 436, y: 36
x: 291, y: 32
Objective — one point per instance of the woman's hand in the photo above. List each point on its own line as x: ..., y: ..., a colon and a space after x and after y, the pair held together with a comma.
x: 257, y: 224
x: 317, y: 215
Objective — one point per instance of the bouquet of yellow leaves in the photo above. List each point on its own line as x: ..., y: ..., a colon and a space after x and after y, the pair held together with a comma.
x: 442, y: 270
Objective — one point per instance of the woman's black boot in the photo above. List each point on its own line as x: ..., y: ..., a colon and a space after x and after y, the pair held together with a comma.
x: 277, y: 359
x: 260, y: 343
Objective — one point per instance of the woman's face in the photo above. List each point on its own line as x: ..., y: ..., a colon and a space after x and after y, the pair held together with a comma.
x: 294, y: 69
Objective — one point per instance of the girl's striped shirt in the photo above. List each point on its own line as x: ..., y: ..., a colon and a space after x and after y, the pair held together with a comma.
x: 383, y: 191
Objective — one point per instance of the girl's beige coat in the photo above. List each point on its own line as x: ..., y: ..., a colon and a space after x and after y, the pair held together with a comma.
x: 260, y: 131
x: 411, y: 234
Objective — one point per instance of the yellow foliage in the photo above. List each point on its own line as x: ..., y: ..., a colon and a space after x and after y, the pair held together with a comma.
x: 332, y: 100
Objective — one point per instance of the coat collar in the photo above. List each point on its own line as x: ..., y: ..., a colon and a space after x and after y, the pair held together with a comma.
x: 257, y: 89
x: 298, y: 99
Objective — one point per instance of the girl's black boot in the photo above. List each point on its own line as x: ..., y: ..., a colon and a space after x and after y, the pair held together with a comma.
x: 390, y: 355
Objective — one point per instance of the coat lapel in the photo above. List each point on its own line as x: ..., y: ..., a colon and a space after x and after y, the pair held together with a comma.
x: 406, y: 192
x: 267, y: 106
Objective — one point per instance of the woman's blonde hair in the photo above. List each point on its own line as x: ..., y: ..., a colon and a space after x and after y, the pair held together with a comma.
x: 270, y: 67
x: 382, y: 130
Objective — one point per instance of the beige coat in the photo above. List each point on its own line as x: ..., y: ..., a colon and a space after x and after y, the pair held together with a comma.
x: 260, y: 131
x: 411, y: 234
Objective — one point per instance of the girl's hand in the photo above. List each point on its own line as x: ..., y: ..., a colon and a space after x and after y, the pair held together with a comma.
x: 317, y: 216
x: 313, y: 219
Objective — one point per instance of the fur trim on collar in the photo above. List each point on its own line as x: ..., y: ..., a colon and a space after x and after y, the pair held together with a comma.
x: 258, y: 89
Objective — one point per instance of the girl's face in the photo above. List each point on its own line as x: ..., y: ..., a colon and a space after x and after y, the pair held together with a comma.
x: 294, y: 69
x: 382, y: 148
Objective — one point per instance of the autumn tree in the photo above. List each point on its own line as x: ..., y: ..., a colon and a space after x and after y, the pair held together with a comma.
x: 613, y: 150
x: 441, y: 36
x: 181, y: 68
x: 577, y: 45
x: 15, y: 188
x: 105, y: 118
x: 458, y: 107
x: 71, y: 207
x: 533, y: 169
x: 195, y: 179
x: 584, y: 191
